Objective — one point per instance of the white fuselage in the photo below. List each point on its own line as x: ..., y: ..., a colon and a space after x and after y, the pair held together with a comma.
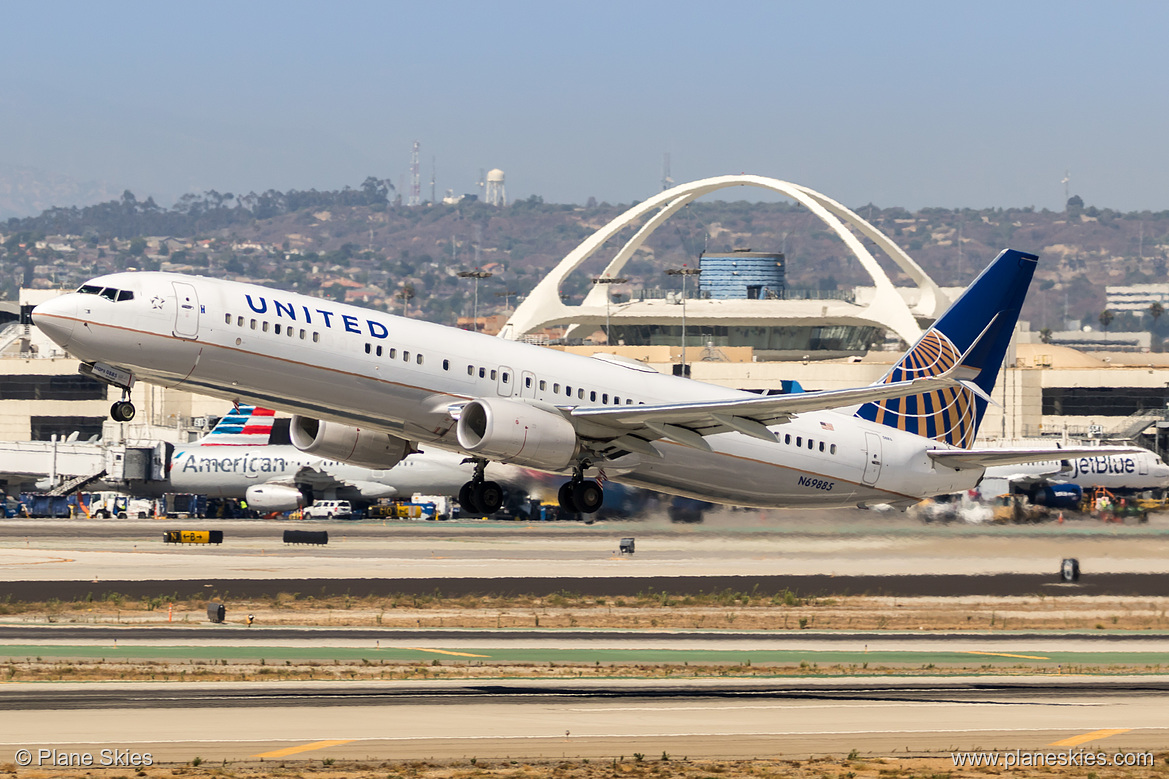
x: 1134, y: 471
x: 228, y: 472
x: 364, y: 368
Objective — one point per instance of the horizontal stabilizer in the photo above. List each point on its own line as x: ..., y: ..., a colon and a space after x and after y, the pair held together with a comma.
x: 984, y: 458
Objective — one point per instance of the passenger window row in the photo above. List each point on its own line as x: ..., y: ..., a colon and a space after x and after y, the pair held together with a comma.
x: 811, y: 444
x: 276, y: 329
x: 377, y: 350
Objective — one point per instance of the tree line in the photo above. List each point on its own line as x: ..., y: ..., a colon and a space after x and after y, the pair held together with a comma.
x: 193, y: 214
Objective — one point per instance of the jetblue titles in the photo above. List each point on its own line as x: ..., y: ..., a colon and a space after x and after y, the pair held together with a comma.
x: 1089, y: 465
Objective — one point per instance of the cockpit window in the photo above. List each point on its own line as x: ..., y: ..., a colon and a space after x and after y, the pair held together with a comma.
x: 109, y: 293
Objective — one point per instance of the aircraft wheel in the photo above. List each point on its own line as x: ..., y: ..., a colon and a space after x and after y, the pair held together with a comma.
x: 565, y: 498
x: 122, y: 411
x: 488, y: 497
x: 467, y: 498
x: 588, y: 496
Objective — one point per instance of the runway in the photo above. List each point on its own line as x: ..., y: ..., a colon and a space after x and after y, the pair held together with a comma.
x: 871, y: 704
x: 597, y: 719
x: 861, y: 553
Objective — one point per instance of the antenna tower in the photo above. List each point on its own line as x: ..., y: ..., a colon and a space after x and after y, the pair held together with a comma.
x: 667, y: 179
x: 415, y: 178
x: 1067, y: 179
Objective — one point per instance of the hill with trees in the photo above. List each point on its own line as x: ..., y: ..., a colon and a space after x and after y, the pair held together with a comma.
x: 330, y: 242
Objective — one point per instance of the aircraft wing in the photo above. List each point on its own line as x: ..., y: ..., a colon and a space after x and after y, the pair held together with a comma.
x: 985, y: 458
x: 320, y: 481
x: 316, y: 478
x: 686, y: 423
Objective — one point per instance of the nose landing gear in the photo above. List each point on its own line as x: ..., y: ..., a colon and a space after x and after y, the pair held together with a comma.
x: 581, y: 495
x: 480, y: 496
x: 123, y: 410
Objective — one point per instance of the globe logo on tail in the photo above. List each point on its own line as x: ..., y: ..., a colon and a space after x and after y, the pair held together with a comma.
x: 948, y: 415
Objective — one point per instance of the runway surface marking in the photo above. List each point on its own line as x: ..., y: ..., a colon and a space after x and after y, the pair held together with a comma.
x: 49, y: 561
x: 850, y: 706
x: 305, y: 748
x: 1083, y: 738
x: 1004, y: 654
x: 443, y: 652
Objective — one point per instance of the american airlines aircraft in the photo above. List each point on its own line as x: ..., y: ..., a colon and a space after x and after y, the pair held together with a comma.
x: 367, y: 387
x: 247, y: 455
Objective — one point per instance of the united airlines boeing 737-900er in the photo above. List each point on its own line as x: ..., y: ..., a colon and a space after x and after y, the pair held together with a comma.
x: 367, y: 387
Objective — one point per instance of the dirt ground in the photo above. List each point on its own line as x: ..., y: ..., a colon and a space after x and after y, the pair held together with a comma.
x: 729, y: 610
x: 647, y: 767
x: 724, y: 611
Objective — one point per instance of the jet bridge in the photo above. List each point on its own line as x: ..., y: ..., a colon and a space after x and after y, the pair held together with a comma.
x: 62, y: 467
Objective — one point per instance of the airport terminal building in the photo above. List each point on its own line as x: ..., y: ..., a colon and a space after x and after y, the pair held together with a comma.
x: 739, y: 324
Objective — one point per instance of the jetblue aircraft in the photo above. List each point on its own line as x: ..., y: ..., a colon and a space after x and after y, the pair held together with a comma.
x: 368, y: 387
x: 1130, y: 472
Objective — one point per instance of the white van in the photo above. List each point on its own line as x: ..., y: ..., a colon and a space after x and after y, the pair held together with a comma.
x: 329, y: 509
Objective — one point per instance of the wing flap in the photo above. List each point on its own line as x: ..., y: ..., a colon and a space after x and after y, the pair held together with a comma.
x: 745, y: 415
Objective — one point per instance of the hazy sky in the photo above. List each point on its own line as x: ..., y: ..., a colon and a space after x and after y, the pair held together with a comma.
x: 897, y: 103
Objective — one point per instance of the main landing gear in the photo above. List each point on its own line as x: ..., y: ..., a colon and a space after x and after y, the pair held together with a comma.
x: 479, y: 496
x: 581, y: 495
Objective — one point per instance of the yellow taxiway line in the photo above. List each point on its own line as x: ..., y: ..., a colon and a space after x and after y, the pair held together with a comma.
x: 1075, y: 741
x: 305, y: 748
x: 1004, y: 654
x: 444, y: 652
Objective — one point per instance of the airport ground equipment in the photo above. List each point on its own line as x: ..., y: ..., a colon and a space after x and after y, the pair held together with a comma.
x: 1069, y: 570
x: 627, y: 546
x: 306, y: 536
x: 216, y: 612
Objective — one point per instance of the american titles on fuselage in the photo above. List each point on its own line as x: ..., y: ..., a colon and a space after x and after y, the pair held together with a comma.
x: 216, y: 463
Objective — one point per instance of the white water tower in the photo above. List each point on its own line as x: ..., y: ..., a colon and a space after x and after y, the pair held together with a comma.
x: 496, y: 194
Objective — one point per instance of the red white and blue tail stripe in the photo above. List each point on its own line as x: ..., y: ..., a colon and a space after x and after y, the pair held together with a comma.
x: 242, y: 426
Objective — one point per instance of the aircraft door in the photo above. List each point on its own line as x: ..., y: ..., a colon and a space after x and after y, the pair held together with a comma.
x: 873, y: 461
x: 186, y: 310
x: 507, y: 381
x: 1143, y: 464
x: 528, y: 384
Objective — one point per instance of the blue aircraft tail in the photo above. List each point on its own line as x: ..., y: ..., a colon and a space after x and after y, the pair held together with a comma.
x: 977, y: 330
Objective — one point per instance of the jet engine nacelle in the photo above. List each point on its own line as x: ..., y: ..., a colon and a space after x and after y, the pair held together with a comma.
x: 354, y: 445
x: 517, y: 432
x: 266, y: 498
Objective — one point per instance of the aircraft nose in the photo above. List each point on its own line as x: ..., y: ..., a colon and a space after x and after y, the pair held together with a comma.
x: 56, y: 318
